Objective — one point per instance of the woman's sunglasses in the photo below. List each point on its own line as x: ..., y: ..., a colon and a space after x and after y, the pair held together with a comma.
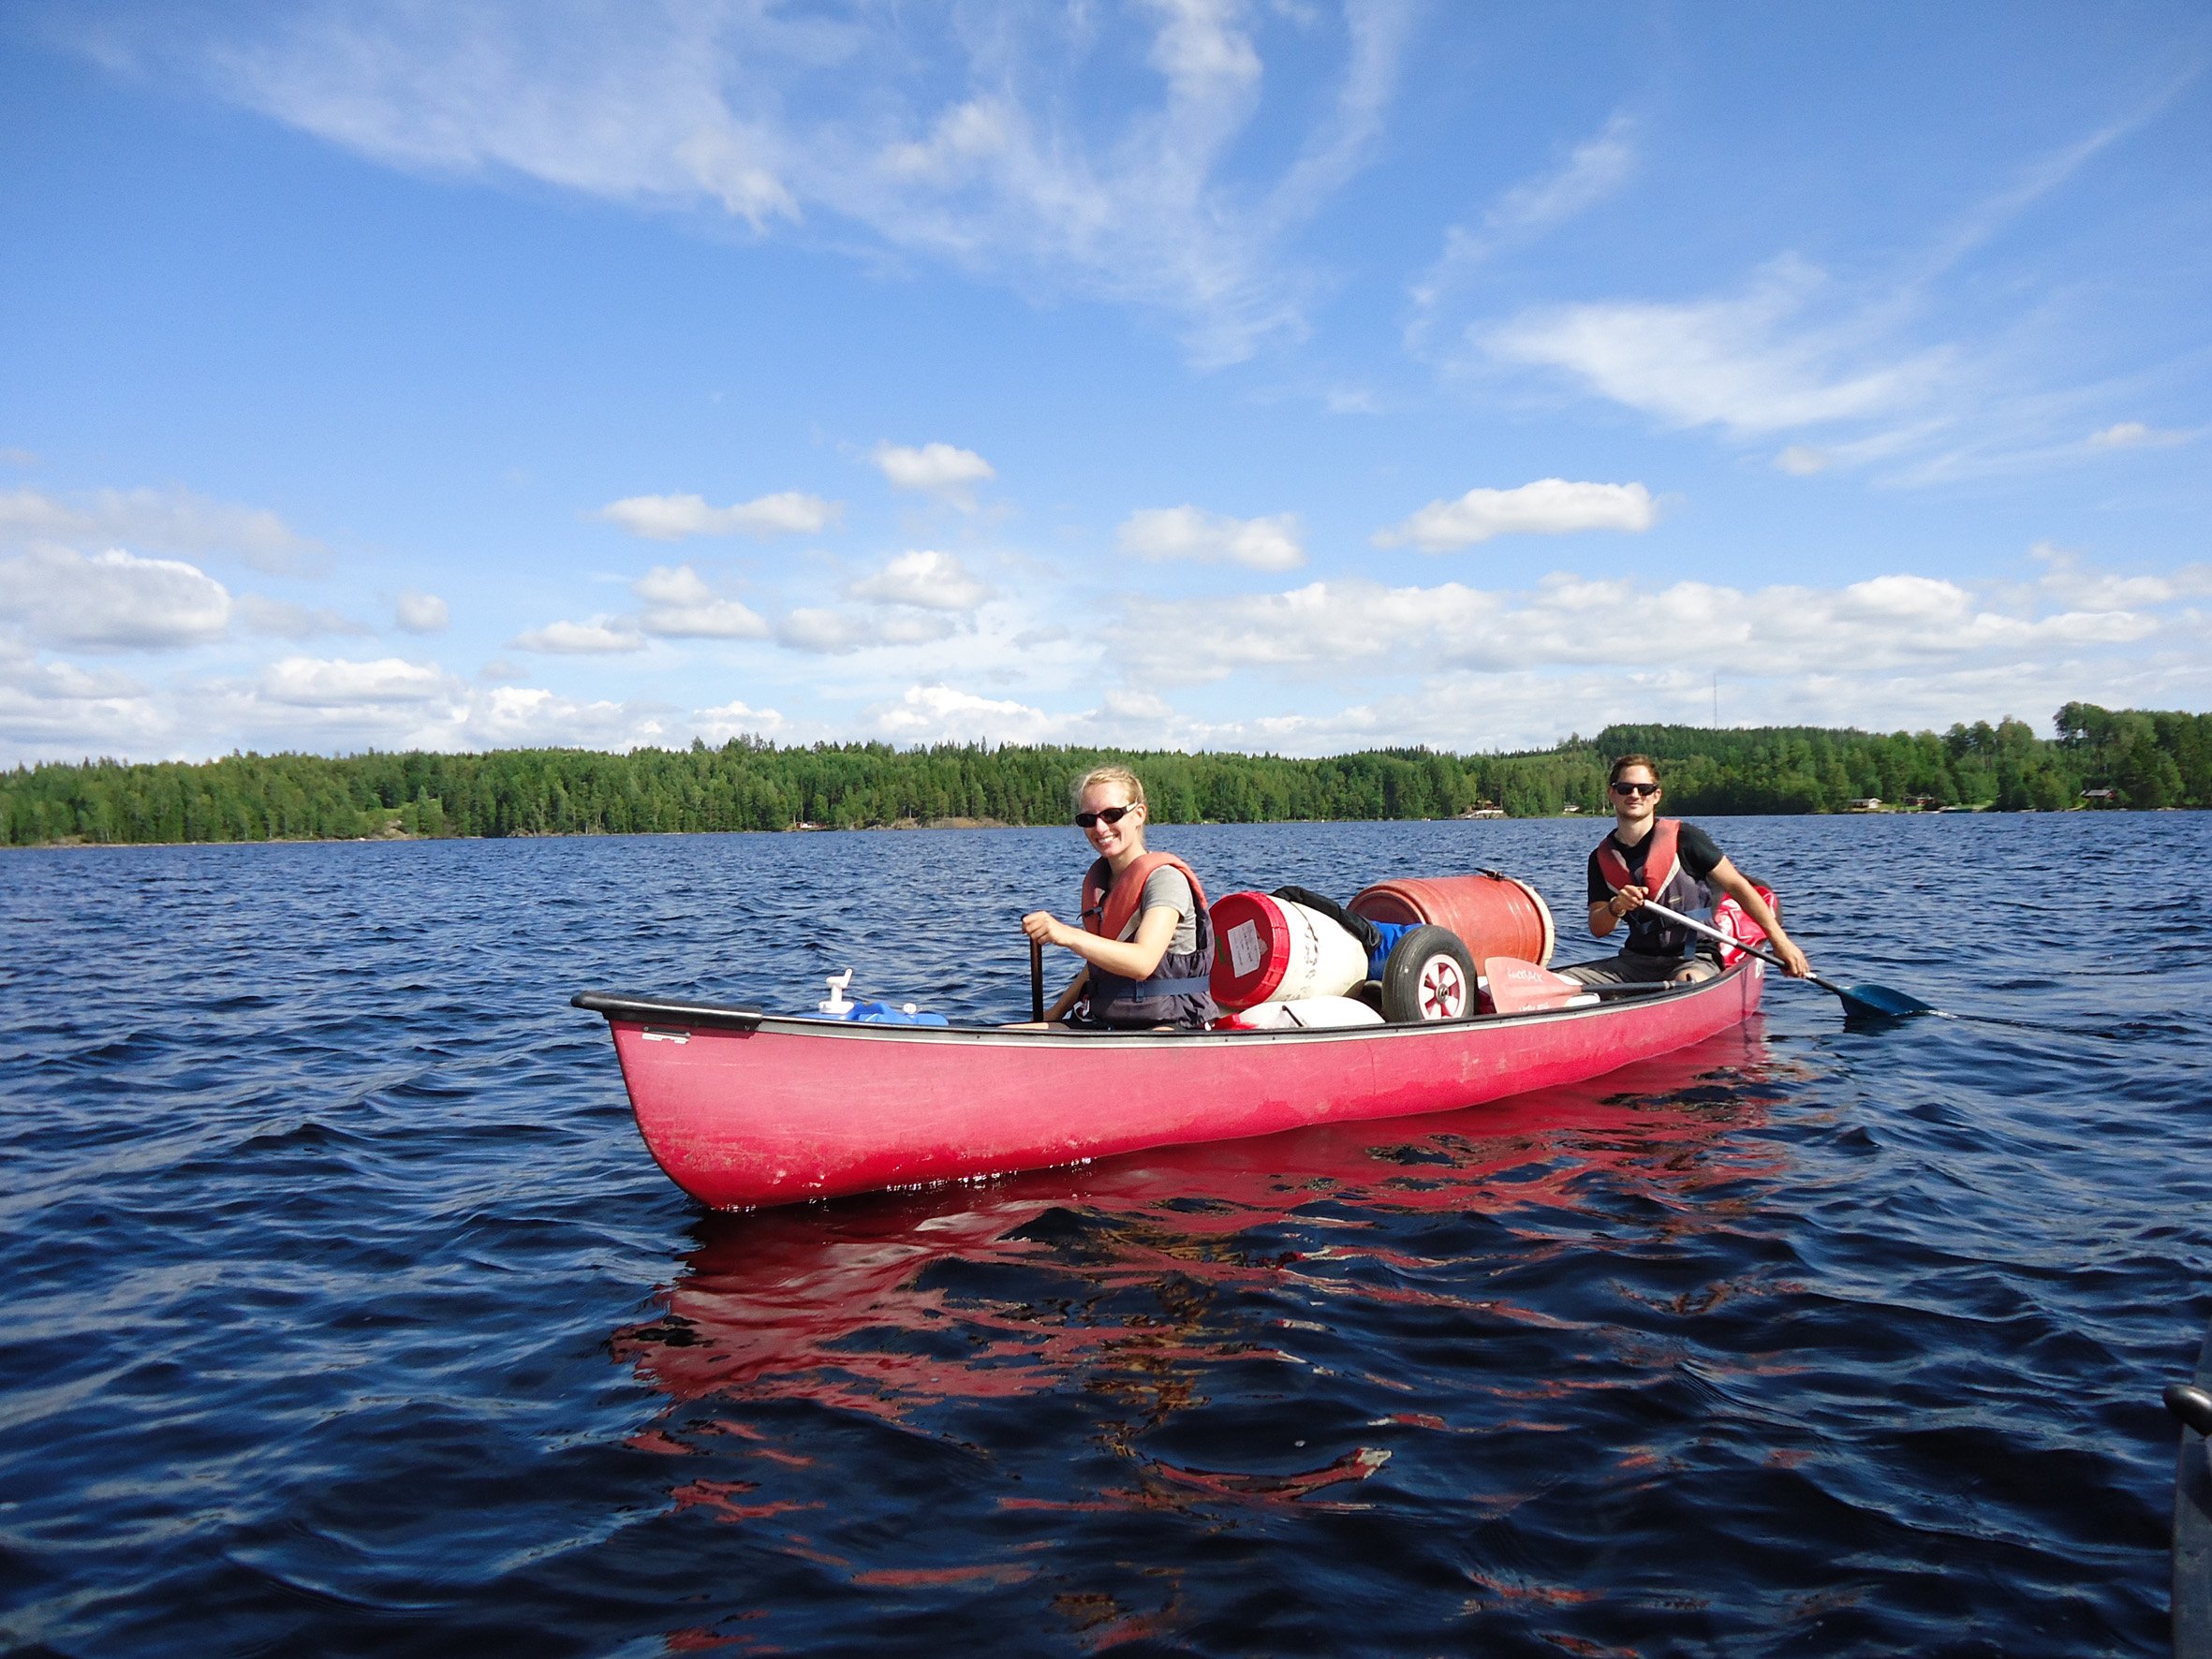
x: 1111, y: 814
x: 1636, y: 788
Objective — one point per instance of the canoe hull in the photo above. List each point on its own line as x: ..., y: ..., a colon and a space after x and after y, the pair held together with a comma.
x: 742, y: 1110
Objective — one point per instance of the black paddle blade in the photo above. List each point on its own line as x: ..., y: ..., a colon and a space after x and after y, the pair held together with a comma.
x: 1879, y: 1002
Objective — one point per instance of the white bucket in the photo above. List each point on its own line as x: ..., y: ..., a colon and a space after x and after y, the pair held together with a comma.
x: 1269, y: 950
x: 1313, y: 1013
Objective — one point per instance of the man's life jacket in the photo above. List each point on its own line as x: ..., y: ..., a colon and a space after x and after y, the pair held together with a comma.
x: 1663, y: 879
x: 1176, y: 994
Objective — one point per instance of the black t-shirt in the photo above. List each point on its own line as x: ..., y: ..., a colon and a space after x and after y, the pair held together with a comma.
x: 1647, y: 935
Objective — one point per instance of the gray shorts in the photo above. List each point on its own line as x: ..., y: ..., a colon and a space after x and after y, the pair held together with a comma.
x: 1632, y: 967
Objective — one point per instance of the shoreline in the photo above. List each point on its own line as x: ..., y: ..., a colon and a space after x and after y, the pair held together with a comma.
x: 907, y: 826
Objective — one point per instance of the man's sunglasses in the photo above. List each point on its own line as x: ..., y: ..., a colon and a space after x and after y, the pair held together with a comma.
x: 1111, y: 814
x: 1636, y: 788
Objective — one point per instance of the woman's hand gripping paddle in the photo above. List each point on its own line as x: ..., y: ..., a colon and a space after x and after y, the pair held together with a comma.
x: 1878, y: 1001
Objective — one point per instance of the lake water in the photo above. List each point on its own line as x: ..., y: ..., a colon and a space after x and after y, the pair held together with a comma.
x: 345, y: 1312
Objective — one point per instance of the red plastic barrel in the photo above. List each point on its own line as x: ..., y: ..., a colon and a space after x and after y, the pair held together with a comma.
x: 1493, y: 914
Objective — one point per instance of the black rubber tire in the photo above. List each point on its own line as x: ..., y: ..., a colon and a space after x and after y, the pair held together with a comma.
x: 1428, y: 976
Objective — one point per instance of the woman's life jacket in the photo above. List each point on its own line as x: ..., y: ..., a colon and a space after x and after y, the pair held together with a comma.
x: 1664, y: 879
x: 1176, y: 994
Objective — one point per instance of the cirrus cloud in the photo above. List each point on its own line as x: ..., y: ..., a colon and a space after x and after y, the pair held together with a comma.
x: 1747, y: 362
x: 2135, y: 434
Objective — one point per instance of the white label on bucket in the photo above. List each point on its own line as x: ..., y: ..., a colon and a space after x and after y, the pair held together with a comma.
x: 1243, y: 947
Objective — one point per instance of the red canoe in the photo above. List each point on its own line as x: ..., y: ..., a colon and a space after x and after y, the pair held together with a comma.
x: 743, y: 1108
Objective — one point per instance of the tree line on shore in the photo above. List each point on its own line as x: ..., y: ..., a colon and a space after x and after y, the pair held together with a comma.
x: 2122, y: 758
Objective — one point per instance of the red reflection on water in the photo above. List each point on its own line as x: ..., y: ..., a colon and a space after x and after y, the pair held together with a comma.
x: 927, y: 1578
x: 830, y: 1303
x: 720, y: 1496
x: 890, y: 1305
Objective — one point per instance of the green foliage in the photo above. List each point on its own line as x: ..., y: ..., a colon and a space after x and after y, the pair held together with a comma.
x: 2149, y: 759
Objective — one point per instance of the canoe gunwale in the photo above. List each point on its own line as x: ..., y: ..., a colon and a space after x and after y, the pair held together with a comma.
x: 679, y: 1013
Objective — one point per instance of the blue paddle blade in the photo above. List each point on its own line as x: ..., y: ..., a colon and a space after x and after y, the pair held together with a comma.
x: 1882, y: 1000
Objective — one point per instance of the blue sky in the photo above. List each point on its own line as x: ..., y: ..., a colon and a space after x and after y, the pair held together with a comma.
x: 1266, y: 376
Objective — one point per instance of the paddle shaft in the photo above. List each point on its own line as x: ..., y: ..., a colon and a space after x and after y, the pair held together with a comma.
x: 1697, y: 927
x: 1036, y: 982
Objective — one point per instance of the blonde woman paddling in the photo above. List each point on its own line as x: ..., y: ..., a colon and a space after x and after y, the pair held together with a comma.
x: 1146, y: 944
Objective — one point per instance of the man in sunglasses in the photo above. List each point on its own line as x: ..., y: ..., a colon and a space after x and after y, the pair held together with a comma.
x: 1648, y: 856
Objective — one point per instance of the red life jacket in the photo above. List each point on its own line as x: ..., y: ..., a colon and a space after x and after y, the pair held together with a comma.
x: 1660, y: 859
x: 1663, y: 879
x: 1178, y: 992
x: 1106, y: 911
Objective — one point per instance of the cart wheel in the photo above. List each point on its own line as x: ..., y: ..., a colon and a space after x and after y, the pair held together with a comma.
x: 1428, y: 975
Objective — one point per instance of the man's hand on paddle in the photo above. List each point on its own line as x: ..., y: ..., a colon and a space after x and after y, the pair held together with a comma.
x: 1793, y: 960
x: 1732, y: 881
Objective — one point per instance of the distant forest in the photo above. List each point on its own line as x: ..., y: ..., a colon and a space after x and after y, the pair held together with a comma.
x: 2098, y: 757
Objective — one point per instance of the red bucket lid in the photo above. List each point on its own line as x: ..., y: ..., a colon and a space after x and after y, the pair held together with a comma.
x: 1251, y: 948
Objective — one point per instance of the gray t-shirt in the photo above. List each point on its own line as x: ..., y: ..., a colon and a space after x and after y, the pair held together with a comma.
x: 1169, y: 885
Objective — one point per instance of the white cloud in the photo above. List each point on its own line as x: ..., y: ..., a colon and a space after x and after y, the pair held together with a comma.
x: 601, y: 635
x: 680, y: 605
x: 422, y: 613
x: 971, y: 138
x: 940, y: 714
x: 520, y: 716
x: 325, y: 682
x: 933, y: 581
x: 735, y: 719
x: 1741, y: 363
x: 2067, y: 579
x: 61, y: 712
x: 939, y: 467
x: 1597, y: 168
x: 1548, y: 507
x: 176, y: 520
x: 838, y: 633
x: 113, y: 601
x: 1887, y: 624
x: 671, y: 518
x: 1802, y: 460
x: 2135, y: 435
x: 1168, y: 533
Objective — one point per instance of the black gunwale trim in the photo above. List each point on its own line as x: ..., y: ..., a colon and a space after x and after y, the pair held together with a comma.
x: 676, y: 1010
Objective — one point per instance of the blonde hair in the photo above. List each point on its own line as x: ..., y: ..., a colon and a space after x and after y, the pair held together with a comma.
x: 1131, y: 785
